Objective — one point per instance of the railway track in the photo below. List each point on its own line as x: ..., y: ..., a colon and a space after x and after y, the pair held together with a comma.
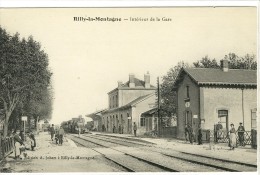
x: 172, y: 161
x: 204, y: 163
x: 226, y: 165
x: 129, y: 163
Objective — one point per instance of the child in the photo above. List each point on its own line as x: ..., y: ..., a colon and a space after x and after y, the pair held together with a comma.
x: 33, y: 141
x: 56, y: 137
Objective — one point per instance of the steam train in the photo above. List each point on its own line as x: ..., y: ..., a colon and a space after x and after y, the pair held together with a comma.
x: 74, y: 125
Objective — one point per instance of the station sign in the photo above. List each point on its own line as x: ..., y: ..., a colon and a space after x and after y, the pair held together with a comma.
x: 24, y: 118
x: 80, y: 124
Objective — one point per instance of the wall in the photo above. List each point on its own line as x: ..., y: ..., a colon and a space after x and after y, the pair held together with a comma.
x: 121, y: 121
x: 113, y: 99
x: 128, y: 95
x: 140, y: 108
x: 181, y: 109
x: 231, y: 100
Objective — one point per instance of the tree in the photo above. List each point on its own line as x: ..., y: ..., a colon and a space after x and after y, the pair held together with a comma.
x: 246, y: 62
x: 235, y: 62
x: 167, y: 94
x: 206, y: 62
x: 24, y: 72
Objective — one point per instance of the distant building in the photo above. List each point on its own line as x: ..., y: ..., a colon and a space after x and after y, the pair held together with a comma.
x: 126, y: 103
x: 207, y: 96
x: 97, y: 120
x: 151, y: 119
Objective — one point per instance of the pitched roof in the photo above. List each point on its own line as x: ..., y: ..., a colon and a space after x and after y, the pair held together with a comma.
x: 150, y: 112
x: 139, y: 84
x: 132, y: 103
x: 96, y: 115
x: 139, y: 99
x: 210, y: 76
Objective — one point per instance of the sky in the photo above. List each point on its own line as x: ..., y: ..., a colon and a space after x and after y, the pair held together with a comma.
x: 88, y: 58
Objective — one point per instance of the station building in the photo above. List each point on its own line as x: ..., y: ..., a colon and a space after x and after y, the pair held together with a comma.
x: 126, y: 103
x: 97, y: 120
x: 207, y: 96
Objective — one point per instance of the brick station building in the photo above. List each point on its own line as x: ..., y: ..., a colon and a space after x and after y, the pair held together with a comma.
x: 207, y: 96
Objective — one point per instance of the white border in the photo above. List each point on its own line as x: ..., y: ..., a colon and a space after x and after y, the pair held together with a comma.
x: 122, y: 3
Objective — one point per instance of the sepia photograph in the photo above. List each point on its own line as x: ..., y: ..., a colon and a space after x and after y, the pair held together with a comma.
x: 128, y: 89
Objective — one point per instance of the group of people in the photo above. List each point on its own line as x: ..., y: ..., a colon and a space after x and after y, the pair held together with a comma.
x: 23, y: 143
x: 190, y: 134
x: 232, y: 136
x: 232, y: 142
x: 120, y: 129
x: 57, y: 134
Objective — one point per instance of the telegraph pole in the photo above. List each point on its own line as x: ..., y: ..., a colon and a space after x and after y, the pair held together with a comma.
x: 158, y: 106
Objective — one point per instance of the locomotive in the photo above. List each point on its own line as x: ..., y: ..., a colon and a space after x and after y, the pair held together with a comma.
x: 74, y: 125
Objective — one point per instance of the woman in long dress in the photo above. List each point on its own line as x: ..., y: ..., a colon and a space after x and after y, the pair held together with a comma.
x: 232, y: 137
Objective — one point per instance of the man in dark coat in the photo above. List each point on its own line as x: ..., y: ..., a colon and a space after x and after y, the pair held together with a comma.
x: 135, y: 128
x: 61, y: 134
x: 190, y: 131
x: 241, y: 131
x: 18, y: 142
x: 52, y: 131
x: 33, y: 141
x: 186, y: 131
x: 199, y: 136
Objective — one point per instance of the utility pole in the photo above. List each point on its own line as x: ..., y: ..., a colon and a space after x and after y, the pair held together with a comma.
x: 158, y: 106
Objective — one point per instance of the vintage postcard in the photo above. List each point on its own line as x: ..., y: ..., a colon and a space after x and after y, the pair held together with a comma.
x: 128, y: 89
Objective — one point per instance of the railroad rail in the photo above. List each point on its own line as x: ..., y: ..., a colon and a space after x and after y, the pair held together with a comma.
x: 200, y: 161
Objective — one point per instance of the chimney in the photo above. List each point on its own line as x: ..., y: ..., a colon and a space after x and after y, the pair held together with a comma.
x: 131, y: 80
x: 224, y: 65
x: 147, y: 80
x: 120, y: 83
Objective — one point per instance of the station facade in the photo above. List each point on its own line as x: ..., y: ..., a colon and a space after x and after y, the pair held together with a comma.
x: 208, y: 96
x: 126, y: 103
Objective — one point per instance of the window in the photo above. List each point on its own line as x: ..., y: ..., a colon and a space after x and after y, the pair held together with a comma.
x: 116, y: 101
x: 187, y: 91
x: 142, y: 121
x: 223, y: 117
x: 113, y: 102
x: 253, y: 119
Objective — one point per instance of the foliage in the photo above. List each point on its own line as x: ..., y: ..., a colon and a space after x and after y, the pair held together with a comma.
x: 167, y: 94
x: 235, y: 62
x: 24, y: 72
x: 206, y: 62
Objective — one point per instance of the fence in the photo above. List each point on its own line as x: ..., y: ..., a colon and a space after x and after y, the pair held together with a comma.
x: 169, y: 132
x: 6, y: 146
x: 250, y: 137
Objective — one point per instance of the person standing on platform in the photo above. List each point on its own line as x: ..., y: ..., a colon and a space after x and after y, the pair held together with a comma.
x: 199, y: 136
x: 190, y: 131
x: 119, y: 129
x: 61, y: 133
x: 33, y: 141
x: 186, y: 131
x: 241, y: 131
x: 232, y: 137
x: 135, y: 128
x: 122, y: 129
x: 52, y: 131
x: 18, y: 142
